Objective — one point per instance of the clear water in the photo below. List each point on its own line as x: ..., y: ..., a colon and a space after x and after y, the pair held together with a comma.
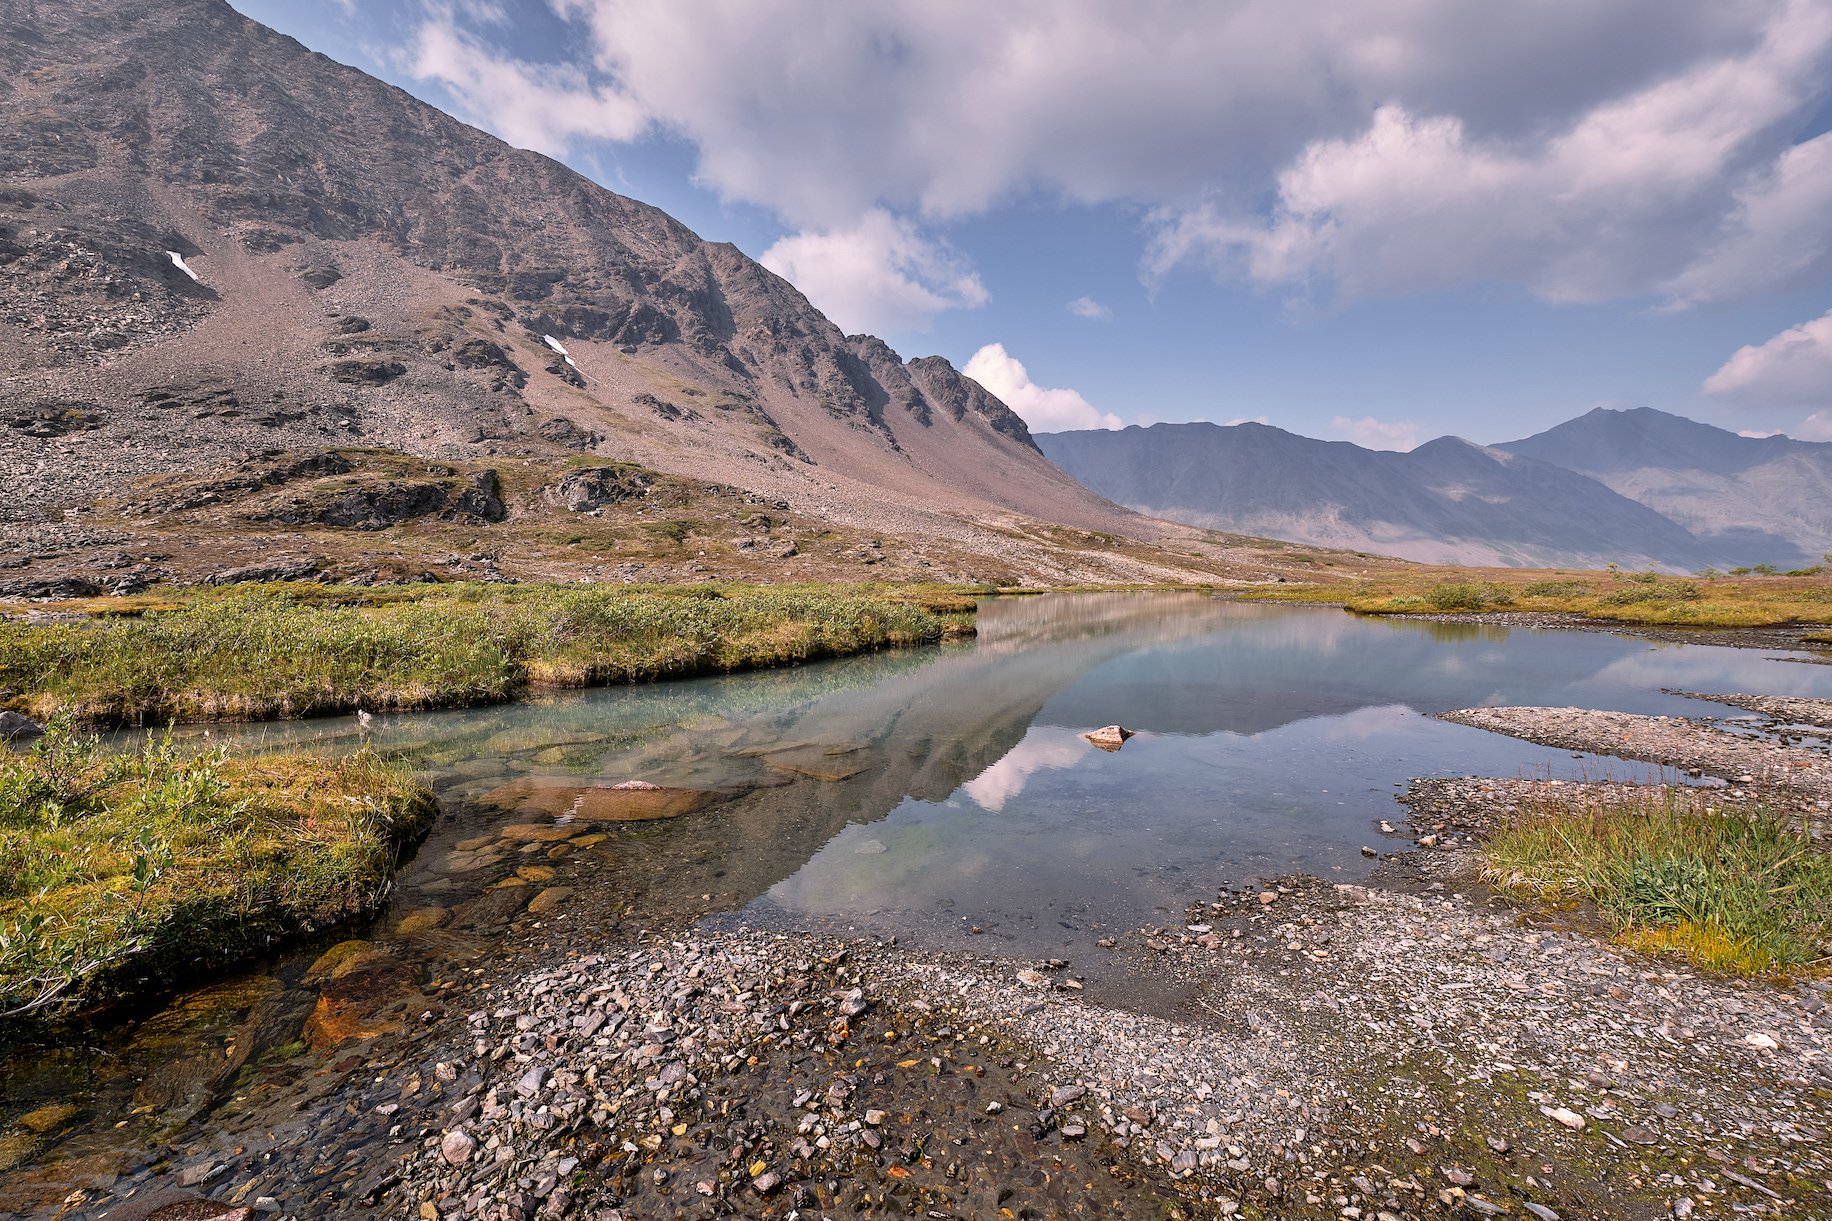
x: 927, y: 793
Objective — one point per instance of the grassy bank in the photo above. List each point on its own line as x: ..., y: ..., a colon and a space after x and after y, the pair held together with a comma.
x: 1746, y: 892
x: 1655, y: 599
x: 117, y: 870
x: 302, y: 650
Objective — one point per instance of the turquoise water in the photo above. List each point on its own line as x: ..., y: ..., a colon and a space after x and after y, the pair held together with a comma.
x: 929, y: 792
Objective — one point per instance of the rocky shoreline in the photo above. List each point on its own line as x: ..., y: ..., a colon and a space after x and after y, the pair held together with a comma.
x: 1346, y: 1048
x: 1414, y: 1047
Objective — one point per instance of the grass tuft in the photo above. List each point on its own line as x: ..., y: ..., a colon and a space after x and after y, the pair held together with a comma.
x: 123, y: 873
x: 1746, y: 891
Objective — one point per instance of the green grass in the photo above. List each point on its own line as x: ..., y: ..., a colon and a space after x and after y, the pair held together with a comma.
x: 1705, y: 600
x: 1743, y: 891
x: 125, y: 873
x: 259, y: 652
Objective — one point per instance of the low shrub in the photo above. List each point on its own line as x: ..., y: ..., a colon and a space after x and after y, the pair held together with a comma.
x: 1467, y: 596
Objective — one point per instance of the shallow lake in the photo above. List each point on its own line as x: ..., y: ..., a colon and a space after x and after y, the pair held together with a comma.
x: 930, y: 792
x: 925, y: 794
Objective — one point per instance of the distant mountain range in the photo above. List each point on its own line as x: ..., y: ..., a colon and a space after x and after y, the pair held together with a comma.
x: 1630, y: 487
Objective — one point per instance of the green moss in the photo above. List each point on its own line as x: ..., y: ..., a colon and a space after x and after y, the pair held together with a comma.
x: 121, y: 874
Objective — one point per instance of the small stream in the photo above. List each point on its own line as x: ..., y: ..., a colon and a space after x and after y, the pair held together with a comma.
x: 945, y: 796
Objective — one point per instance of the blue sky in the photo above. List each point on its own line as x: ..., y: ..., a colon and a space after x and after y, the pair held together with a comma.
x: 1380, y: 221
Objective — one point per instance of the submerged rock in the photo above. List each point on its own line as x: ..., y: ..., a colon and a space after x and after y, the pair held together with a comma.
x: 14, y: 727
x: 625, y: 802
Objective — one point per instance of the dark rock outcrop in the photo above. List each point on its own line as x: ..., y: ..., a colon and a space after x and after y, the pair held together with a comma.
x: 597, y: 486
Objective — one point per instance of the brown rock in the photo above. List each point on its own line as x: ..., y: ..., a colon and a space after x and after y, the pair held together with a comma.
x: 1109, y: 737
x: 549, y: 899
x: 598, y: 803
x: 422, y: 920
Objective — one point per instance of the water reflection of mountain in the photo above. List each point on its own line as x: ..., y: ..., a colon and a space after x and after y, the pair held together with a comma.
x: 806, y: 751
x: 1250, y: 669
x: 921, y: 732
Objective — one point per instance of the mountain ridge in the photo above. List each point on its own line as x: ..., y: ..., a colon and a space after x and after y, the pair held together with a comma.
x: 1447, y: 501
x: 1766, y: 499
x: 218, y: 243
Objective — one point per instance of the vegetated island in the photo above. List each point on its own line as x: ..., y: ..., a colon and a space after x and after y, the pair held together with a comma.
x: 258, y: 652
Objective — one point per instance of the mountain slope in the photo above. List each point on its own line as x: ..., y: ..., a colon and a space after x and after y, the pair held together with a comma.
x: 1755, y: 499
x: 1446, y: 502
x: 214, y: 242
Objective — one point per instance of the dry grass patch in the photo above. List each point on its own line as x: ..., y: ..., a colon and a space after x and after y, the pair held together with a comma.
x: 1646, y: 598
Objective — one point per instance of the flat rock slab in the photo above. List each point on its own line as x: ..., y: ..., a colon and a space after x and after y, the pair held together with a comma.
x: 829, y: 763
x: 600, y: 803
x: 765, y: 750
x: 1795, y: 776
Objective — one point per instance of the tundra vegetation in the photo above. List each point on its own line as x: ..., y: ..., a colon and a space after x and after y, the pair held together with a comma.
x: 1745, y: 891
x: 123, y: 872
x: 1705, y: 600
x: 264, y: 651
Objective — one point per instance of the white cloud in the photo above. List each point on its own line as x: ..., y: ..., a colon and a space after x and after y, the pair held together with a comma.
x: 1089, y: 308
x: 545, y: 107
x: 1794, y: 369
x: 879, y: 275
x: 1247, y: 419
x: 946, y: 107
x: 1585, y: 150
x: 1377, y: 434
x: 1816, y: 427
x: 1757, y: 434
x: 1041, y: 750
x: 1611, y: 204
x: 1045, y: 410
x: 1779, y: 233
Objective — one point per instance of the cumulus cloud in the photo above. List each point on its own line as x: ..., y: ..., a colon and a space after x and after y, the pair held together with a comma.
x: 545, y: 107
x: 1778, y: 234
x: 946, y: 106
x: 1794, y: 369
x: 1585, y: 150
x: 878, y: 275
x: 1377, y: 434
x: 1816, y: 427
x: 1612, y: 204
x: 1044, y: 409
x: 1089, y: 308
